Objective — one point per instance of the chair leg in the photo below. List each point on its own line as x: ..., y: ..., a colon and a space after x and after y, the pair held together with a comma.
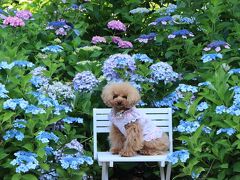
x: 162, y: 174
x: 168, y: 174
x: 104, y: 171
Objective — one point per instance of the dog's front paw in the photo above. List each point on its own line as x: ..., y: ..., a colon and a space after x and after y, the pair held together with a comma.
x: 115, y: 150
x: 126, y: 153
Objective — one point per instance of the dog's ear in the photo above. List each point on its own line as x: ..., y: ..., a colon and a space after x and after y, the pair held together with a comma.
x: 133, y: 96
x: 107, y: 95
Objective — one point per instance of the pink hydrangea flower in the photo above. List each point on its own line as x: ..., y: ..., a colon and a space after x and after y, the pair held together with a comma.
x: 116, y: 25
x: 125, y: 44
x: 98, y: 39
x: 24, y: 14
x: 13, y: 21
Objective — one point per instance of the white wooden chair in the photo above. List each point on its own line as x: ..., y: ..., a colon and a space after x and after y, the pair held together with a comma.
x: 163, y: 119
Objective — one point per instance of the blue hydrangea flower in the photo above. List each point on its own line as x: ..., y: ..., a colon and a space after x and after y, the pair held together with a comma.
x: 34, y: 110
x: 139, y: 10
x: 85, y: 81
x: 163, y: 20
x: 49, y: 150
x: 229, y: 131
x: 167, y: 10
x: 13, y: 133
x: 207, y: 83
x: 176, y: 156
x: 25, y: 161
x: 210, y: 57
x: 12, y: 104
x: 19, y: 123
x: 56, y: 24
x: 38, y: 71
x: 3, y: 91
x: 162, y: 71
x: 61, y: 107
x: 234, y: 71
x: 52, y: 175
x: 5, y: 65
x: 71, y: 120
x: 44, y: 137
x: 207, y: 129
x: 202, y: 106
x: 178, y: 19
x: 184, y: 33
x: 195, y: 175
x: 144, y: 38
x: 74, y: 162
x: 142, y: 58
x: 39, y: 81
x: 23, y: 63
x: 187, y: 88
x: 187, y: 126
x: 116, y: 62
x: 58, y: 90
x: 169, y: 100
x: 221, y: 109
x: 216, y: 45
x: 53, y: 49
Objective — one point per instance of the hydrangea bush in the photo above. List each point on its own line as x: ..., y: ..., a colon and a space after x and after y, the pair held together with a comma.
x: 57, y: 55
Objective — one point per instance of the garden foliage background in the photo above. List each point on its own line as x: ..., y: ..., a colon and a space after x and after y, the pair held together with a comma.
x: 55, y: 57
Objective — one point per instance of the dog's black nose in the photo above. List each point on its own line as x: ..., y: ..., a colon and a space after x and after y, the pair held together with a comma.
x: 119, y: 103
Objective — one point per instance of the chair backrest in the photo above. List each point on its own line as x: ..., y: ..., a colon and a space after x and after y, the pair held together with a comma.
x: 162, y: 117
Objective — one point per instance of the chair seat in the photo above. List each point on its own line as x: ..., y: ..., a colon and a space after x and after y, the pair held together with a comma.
x: 109, y: 157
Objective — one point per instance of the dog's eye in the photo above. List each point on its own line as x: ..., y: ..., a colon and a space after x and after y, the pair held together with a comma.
x: 125, y: 97
x: 115, y: 96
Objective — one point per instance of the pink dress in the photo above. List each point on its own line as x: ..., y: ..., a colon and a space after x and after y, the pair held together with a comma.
x: 150, y: 131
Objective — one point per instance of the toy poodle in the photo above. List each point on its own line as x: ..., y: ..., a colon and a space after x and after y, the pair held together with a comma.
x: 131, y: 132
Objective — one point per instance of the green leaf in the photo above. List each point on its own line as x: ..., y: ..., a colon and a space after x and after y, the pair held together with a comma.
x: 16, y: 177
x: 29, y: 146
x: 236, y: 167
x: 7, y: 116
x: 29, y: 177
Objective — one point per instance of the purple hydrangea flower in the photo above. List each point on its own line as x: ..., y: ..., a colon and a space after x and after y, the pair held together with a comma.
x: 125, y: 44
x: 98, y: 39
x: 61, y: 27
x: 116, y: 39
x: 85, y: 81
x: 162, y: 71
x: 217, y: 45
x: 116, y: 25
x: 117, y: 62
x: 184, y: 33
x: 144, y: 38
x: 24, y: 14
